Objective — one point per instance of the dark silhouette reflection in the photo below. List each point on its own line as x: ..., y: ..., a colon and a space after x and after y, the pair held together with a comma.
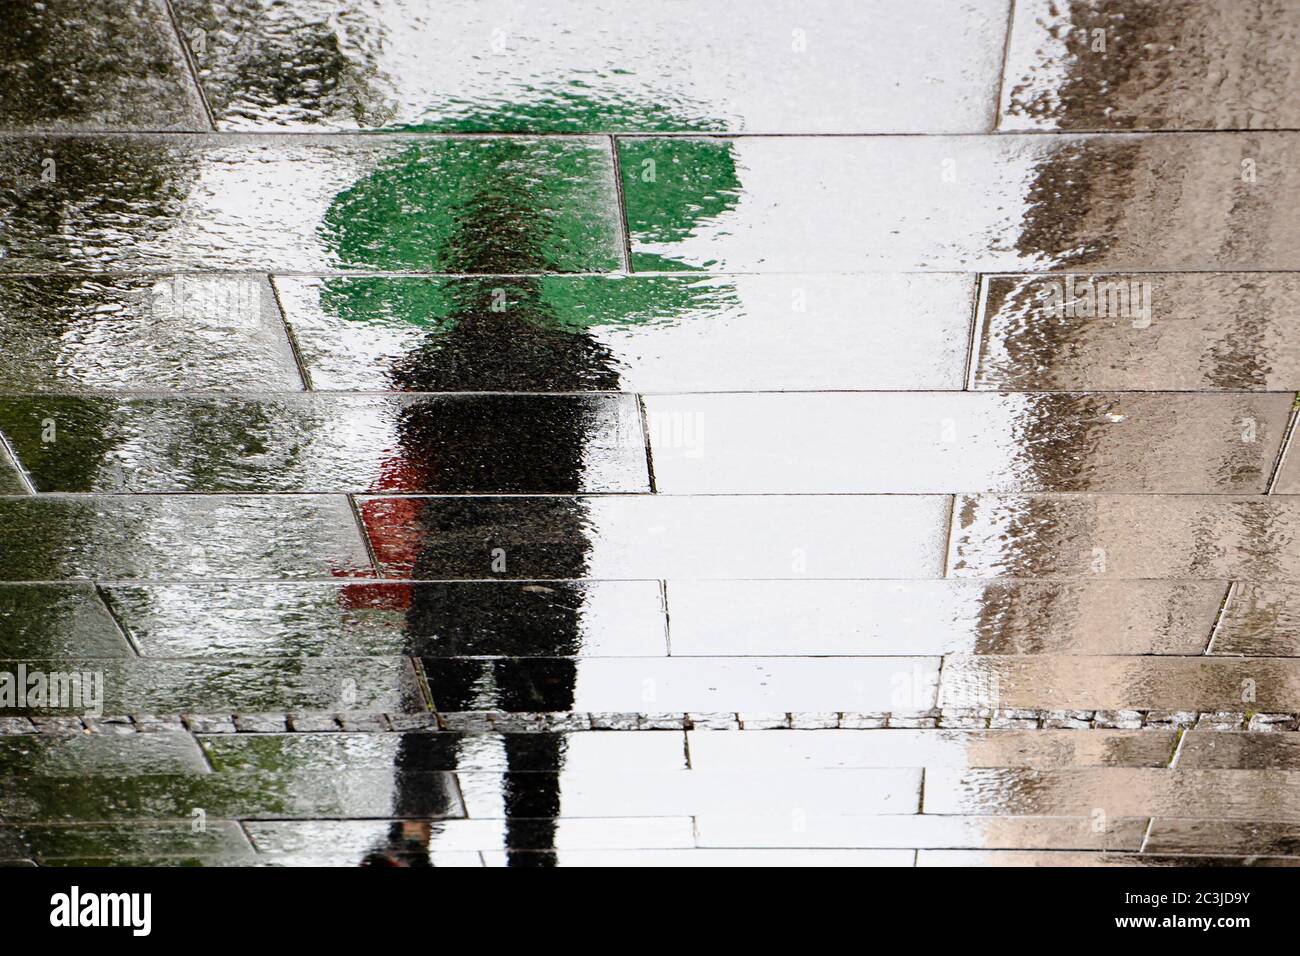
x: 499, y: 331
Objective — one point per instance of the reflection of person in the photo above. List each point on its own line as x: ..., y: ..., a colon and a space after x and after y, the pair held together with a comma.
x: 498, y: 208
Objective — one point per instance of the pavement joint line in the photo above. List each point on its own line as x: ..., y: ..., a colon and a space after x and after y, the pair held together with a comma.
x: 291, y: 337
x: 625, y: 233
x: 667, y: 613
x: 1002, y: 70
x: 122, y: 631
x: 1284, y: 448
x: 1219, y: 618
x: 978, y: 309
x: 210, y: 394
x: 183, y: 269
x: 326, y: 134
x: 191, y: 65
x: 360, y: 523
x: 644, y: 417
x: 24, y: 477
x: 473, y: 723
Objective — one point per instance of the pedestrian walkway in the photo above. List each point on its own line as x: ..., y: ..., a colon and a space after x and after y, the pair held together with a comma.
x: 472, y: 433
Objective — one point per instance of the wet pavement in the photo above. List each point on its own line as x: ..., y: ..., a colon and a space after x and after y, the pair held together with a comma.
x: 476, y: 434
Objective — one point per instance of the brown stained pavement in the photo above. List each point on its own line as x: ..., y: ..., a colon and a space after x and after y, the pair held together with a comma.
x: 626, y: 434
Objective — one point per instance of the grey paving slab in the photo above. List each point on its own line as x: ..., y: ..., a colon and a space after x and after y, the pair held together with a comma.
x: 716, y: 857
x: 330, y: 444
x: 1260, y: 620
x: 267, y: 204
x: 1127, y: 536
x: 186, y: 837
x: 719, y: 858
x: 1210, y: 837
x: 828, y: 749
x: 57, y: 621
x: 905, y: 831
x: 678, y: 685
x: 1288, y: 479
x: 355, y: 838
x: 94, y: 64
x: 270, y: 796
x: 1210, y: 750
x: 522, y: 752
x: 1201, y: 331
x: 200, y: 537
x: 183, y: 332
x: 848, y: 618
x: 72, y: 755
x: 935, y: 442
x: 1267, y: 685
x: 1037, y: 858
x: 1115, y: 791
x: 638, y: 333
x: 1008, y: 203
x: 625, y: 536
x: 830, y: 67
x: 1084, y: 64
x: 580, y: 619
x: 649, y: 793
x: 304, y: 685
x: 11, y: 481
x: 445, y: 858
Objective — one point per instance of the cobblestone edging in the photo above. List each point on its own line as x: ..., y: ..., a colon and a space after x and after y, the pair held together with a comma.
x: 493, y: 721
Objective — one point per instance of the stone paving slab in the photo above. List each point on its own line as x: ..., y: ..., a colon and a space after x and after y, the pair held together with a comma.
x: 1008, y: 203
x: 712, y: 858
x: 932, y: 443
x: 846, y: 618
x: 354, y: 838
x: 448, y: 618
x: 286, y: 795
x: 163, y: 204
x: 70, y: 333
x: 918, y: 831
x: 1037, y: 858
x: 1259, y: 621
x: 708, y: 685
x: 1223, y: 836
x: 1288, y: 479
x: 1083, y: 64
x: 651, y: 750
x: 1212, y: 751
x: 1080, y: 536
x: 626, y: 536
x: 141, y: 536
x: 1113, y: 683
x: 189, y: 837
x: 95, y: 64
x: 58, y: 621
x: 1044, y: 749
x: 1177, y: 331
x: 328, y: 444
x: 11, y: 480
x: 166, y: 752
x: 642, y: 333
x: 650, y: 793
x: 310, y: 685
x: 830, y: 67
x: 1118, y: 792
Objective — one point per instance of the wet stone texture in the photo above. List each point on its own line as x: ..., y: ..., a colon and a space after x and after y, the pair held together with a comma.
x: 94, y: 64
x: 612, y: 66
x: 444, y: 435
